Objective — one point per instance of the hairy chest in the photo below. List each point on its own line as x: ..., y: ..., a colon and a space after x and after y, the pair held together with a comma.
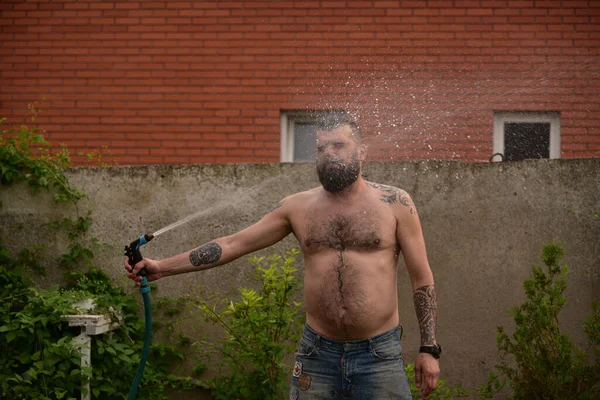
x: 350, y: 230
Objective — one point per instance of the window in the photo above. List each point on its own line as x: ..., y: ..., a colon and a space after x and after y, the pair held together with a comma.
x: 298, y: 141
x: 523, y: 135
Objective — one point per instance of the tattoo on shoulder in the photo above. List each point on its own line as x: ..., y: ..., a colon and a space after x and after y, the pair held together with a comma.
x: 392, y: 195
x: 277, y: 206
x: 206, y: 254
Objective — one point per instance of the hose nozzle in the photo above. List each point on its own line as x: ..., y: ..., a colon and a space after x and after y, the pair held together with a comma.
x: 133, y: 251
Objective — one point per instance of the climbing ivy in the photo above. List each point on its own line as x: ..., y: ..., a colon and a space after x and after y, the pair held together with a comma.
x: 25, y: 156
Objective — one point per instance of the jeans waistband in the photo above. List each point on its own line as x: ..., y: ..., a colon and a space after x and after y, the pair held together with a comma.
x: 321, y: 341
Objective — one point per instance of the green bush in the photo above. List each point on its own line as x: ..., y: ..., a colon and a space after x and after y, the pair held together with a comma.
x: 39, y: 361
x: 259, y: 330
x: 37, y: 357
x: 539, y: 361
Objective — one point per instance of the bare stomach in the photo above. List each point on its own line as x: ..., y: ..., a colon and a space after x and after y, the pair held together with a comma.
x: 350, y: 295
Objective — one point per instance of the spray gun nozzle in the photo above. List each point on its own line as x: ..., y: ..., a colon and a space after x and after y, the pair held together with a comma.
x: 133, y: 251
x: 142, y: 240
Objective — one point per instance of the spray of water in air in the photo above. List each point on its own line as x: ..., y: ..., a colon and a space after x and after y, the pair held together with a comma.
x: 235, y: 199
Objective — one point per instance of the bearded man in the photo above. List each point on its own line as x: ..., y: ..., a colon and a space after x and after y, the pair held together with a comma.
x: 351, y: 233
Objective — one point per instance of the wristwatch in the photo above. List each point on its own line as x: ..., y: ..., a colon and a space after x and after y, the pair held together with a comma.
x: 435, y: 351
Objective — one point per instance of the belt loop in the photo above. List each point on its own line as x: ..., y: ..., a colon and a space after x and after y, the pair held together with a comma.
x: 401, y: 331
x: 370, y: 344
x: 318, y: 342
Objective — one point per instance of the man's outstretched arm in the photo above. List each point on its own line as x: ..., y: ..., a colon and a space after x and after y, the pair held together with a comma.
x: 272, y: 228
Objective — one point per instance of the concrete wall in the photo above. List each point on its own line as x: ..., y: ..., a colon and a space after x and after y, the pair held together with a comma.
x: 484, y: 226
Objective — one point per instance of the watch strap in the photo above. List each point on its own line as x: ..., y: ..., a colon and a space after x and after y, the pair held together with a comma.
x: 435, y: 351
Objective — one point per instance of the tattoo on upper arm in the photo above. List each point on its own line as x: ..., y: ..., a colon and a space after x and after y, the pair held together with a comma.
x: 392, y: 195
x: 426, y: 308
x: 206, y: 254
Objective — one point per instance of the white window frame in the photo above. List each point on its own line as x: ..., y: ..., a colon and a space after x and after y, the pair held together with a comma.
x: 288, y: 120
x: 501, y: 118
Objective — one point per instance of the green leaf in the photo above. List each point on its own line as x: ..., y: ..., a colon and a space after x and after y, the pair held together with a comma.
x: 10, y: 336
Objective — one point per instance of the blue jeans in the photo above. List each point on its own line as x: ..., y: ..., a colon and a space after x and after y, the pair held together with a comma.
x: 357, y: 369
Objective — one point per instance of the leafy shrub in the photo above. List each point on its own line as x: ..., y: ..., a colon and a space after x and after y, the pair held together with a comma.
x: 259, y: 329
x: 39, y: 361
x: 37, y: 357
x: 547, y: 365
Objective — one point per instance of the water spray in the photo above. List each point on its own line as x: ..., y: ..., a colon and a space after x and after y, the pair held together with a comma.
x: 135, y: 256
x: 132, y: 251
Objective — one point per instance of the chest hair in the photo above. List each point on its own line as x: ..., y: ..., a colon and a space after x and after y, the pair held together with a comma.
x: 341, y: 232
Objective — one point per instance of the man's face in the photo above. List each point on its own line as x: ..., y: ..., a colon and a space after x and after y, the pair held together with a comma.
x: 338, y: 159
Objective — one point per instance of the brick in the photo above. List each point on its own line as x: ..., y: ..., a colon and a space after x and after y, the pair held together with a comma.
x: 467, y: 3
x: 230, y: 75
x: 493, y: 3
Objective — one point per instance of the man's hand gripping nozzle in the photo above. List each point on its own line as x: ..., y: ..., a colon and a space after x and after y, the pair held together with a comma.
x: 135, y: 256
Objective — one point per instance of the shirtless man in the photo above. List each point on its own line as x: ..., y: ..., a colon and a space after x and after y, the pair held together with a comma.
x: 351, y: 233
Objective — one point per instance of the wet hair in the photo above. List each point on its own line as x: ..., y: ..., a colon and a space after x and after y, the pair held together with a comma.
x: 330, y: 121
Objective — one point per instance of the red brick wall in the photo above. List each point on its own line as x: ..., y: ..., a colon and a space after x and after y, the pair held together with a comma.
x: 206, y: 81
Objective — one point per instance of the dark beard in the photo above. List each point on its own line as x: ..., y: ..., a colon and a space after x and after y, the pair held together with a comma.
x: 334, y: 179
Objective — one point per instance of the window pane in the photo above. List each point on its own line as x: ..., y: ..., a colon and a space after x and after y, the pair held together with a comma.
x: 304, y: 141
x: 526, y: 140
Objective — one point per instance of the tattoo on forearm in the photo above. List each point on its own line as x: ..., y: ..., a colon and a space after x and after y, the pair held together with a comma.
x: 392, y: 195
x: 206, y: 254
x: 426, y: 308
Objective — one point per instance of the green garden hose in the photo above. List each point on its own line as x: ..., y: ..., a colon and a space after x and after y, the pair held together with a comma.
x: 133, y: 253
x: 145, y: 291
